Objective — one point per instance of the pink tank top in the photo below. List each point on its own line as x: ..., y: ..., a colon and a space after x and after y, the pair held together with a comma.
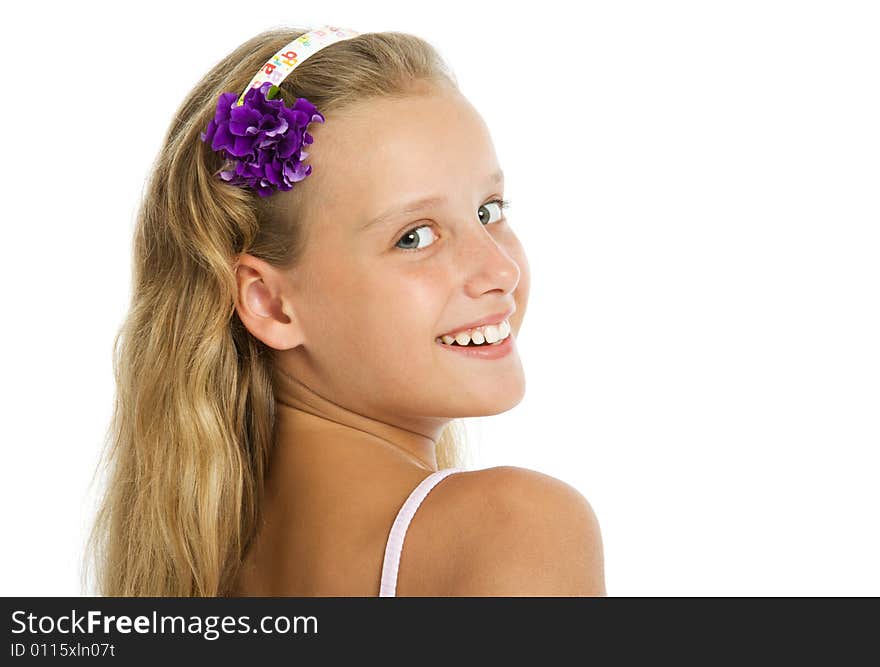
x: 388, y: 585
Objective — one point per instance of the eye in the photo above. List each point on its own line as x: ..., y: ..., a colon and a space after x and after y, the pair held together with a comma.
x: 500, y: 203
x: 415, y: 235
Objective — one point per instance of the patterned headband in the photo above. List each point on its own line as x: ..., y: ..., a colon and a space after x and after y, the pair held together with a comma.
x: 261, y: 138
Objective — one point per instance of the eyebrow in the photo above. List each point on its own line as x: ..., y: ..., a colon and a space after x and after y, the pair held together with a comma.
x: 420, y: 204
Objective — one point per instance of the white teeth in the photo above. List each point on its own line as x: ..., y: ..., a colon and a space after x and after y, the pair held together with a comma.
x: 492, y: 334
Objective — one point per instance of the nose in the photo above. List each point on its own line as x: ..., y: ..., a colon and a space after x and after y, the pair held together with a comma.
x: 486, y: 263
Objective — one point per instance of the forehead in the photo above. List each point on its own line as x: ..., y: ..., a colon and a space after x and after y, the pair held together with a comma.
x: 394, y: 148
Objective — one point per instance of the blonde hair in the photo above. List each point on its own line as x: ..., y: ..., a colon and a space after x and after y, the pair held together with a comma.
x: 193, y: 419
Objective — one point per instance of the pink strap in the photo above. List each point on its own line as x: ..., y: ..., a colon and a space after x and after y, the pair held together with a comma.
x: 388, y: 585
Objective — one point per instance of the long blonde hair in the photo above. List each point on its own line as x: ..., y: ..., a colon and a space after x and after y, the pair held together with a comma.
x: 193, y: 420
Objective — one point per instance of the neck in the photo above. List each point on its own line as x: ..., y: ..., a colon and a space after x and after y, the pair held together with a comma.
x: 325, y: 437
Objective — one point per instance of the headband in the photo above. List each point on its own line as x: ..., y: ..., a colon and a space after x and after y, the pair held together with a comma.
x: 261, y: 138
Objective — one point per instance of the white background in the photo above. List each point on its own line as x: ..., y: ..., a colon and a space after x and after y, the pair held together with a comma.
x: 696, y: 187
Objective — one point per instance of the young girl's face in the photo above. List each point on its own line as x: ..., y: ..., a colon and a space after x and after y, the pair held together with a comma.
x: 372, y: 297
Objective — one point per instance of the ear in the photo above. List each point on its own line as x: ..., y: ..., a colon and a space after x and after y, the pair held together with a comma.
x: 263, y: 301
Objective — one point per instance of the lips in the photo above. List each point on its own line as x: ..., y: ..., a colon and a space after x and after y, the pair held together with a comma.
x: 497, y: 318
x: 495, y: 351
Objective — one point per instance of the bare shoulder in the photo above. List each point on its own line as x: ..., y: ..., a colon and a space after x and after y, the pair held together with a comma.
x: 521, y: 532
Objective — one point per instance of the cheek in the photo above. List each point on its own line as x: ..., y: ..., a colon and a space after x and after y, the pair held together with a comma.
x: 400, y: 305
x: 397, y: 318
x: 380, y: 327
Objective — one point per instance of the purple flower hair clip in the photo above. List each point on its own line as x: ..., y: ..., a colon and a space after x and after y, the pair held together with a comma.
x: 263, y: 138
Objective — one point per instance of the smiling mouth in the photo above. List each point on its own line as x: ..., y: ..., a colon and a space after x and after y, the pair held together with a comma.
x: 493, y: 334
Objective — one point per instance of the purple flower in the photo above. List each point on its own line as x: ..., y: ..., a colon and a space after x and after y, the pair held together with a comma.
x: 263, y: 138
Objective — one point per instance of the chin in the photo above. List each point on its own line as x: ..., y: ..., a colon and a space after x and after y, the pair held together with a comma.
x: 508, y: 398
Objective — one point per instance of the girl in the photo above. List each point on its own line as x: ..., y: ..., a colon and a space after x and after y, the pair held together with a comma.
x: 292, y: 367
